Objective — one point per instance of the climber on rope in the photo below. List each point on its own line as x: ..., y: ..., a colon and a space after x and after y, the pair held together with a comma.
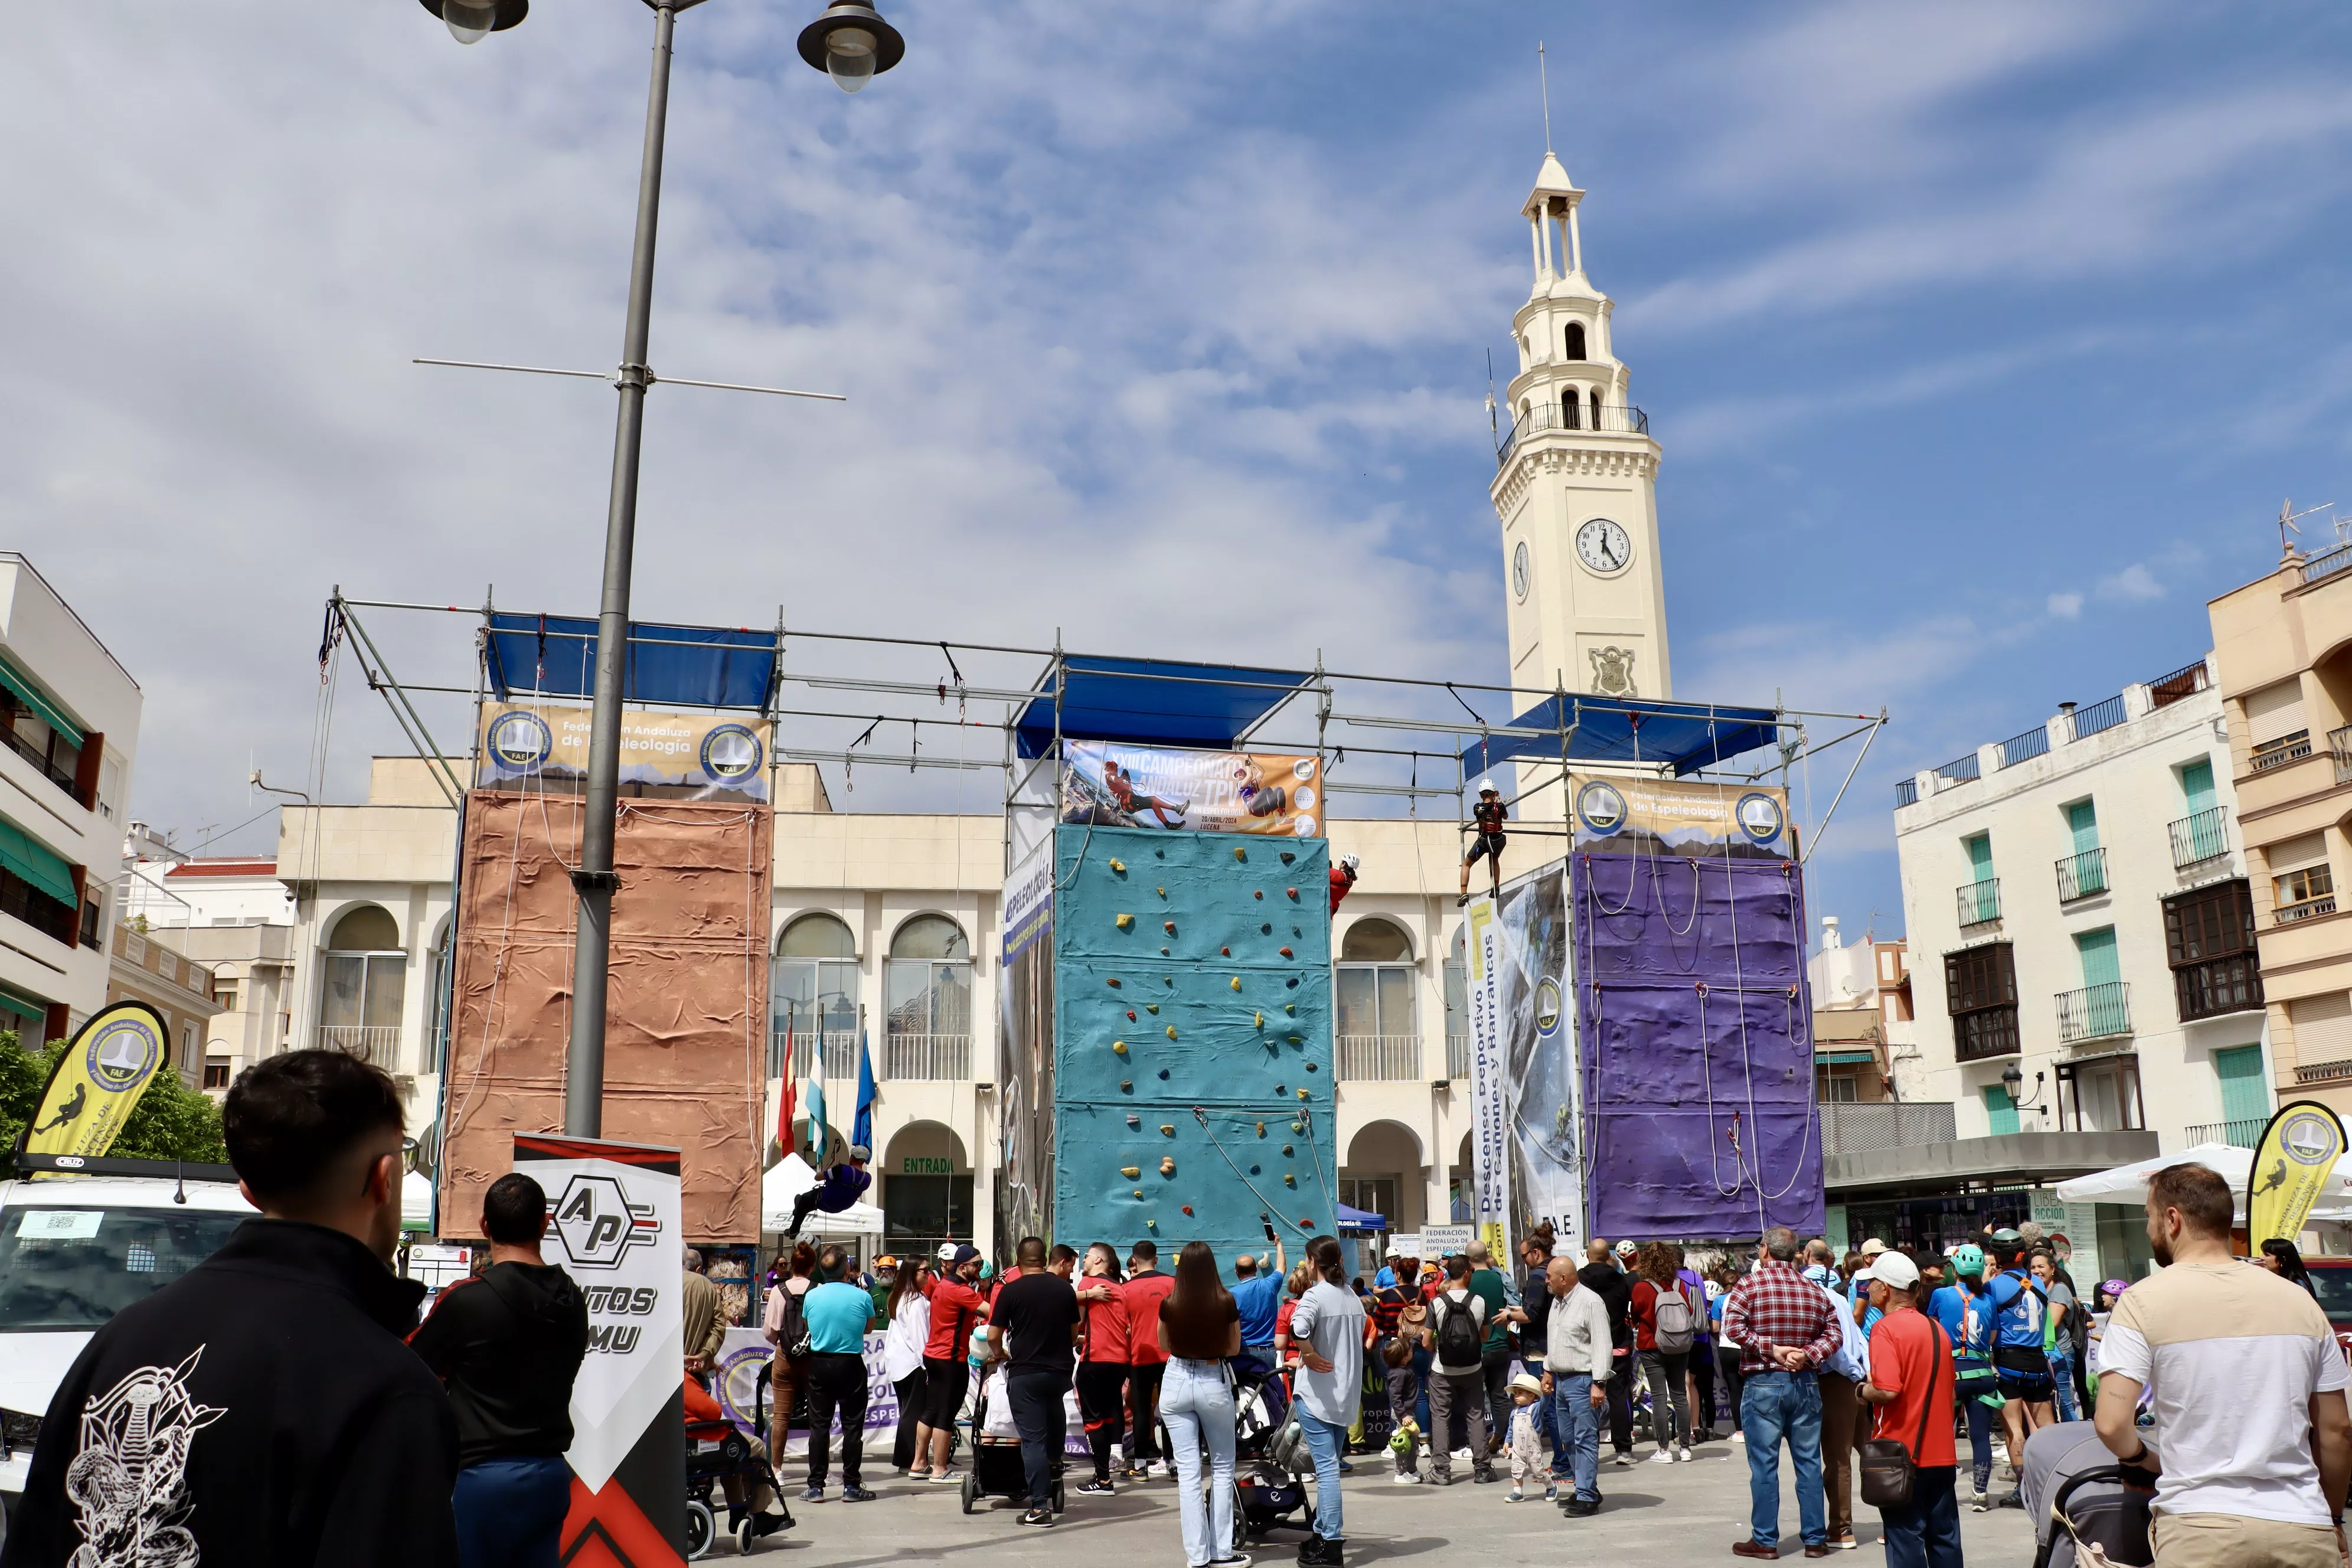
x: 1343, y: 877
x: 842, y: 1187
x: 1123, y: 791
x: 1489, y: 813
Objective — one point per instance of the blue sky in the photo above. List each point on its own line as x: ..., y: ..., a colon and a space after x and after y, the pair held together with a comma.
x: 1982, y: 343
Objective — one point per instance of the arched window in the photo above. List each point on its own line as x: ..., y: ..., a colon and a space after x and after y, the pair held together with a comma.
x: 813, y: 998
x: 365, y: 971
x: 1569, y: 408
x: 1575, y: 340
x: 1596, y: 408
x: 1458, y: 1010
x: 1378, y: 1037
x: 927, y: 986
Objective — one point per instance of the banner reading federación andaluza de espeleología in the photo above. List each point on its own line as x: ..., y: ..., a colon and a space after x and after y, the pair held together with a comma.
x: 614, y: 1226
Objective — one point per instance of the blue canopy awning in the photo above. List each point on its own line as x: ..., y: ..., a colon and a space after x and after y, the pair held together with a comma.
x: 1687, y: 736
x: 670, y: 667
x: 1351, y: 1218
x: 1153, y: 702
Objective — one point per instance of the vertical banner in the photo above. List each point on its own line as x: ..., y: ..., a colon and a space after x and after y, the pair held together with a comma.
x: 1525, y: 1095
x: 98, y: 1081
x: 1490, y: 1164
x: 616, y: 1221
x: 2293, y: 1159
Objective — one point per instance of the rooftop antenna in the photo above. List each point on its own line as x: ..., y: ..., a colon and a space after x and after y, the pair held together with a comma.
x: 1493, y: 429
x: 1543, y: 80
x: 2287, y: 518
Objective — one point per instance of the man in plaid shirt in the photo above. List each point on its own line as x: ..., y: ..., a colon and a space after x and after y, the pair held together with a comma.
x: 1785, y: 1329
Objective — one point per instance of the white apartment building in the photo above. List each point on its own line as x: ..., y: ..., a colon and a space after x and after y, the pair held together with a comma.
x: 1862, y: 1029
x: 234, y: 915
x: 69, y: 715
x: 2078, y: 899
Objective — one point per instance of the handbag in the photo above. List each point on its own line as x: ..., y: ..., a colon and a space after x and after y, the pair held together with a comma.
x: 1889, y: 1472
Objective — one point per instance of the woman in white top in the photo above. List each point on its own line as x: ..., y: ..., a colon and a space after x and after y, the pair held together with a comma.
x: 909, y: 1314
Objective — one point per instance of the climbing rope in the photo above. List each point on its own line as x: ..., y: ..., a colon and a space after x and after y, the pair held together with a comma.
x: 1272, y: 1208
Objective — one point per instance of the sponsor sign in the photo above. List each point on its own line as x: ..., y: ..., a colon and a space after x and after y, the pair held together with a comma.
x: 1525, y: 1095
x: 2293, y: 1159
x: 701, y: 756
x: 1663, y: 816
x: 1108, y: 786
x: 1440, y: 1241
x: 1029, y: 900
x: 97, y: 1083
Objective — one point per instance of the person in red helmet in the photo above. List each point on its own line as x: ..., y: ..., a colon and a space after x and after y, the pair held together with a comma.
x: 1490, y: 813
x: 1343, y: 877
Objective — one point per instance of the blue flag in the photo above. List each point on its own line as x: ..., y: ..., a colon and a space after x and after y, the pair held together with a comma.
x: 814, y: 1146
x: 862, y: 1129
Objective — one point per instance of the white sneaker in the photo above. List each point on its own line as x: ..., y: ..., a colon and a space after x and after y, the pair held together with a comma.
x: 1685, y: 1455
x: 1461, y: 1453
x: 1662, y: 1456
x: 1626, y: 1460
x: 1739, y: 1437
x: 1407, y: 1478
x: 1159, y: 1470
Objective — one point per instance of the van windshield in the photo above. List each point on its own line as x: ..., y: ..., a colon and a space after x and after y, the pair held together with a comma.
x: 65, y: 1267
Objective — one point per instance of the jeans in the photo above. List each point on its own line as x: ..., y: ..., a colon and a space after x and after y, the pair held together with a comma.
x: 1198, y: 1404
x: 1577, y: 1428
x: 1928, y: 1534
x: 510, y: 1512
x: 2062, y: 1381
x: 1775, y: 1405
x: 1143, y: 1380
x: 1036, y: 1401
x: 1670, y: 1419
x: 1423, y: 1359
x: 1463, y: 1394
x: 1980, y: 1417
x: 1324, y: 1441
x: 837, y: 1382
x: 911, y: 1415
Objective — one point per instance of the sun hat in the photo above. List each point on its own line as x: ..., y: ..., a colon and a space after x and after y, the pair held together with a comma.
x: 1524, y: 1382
x: 1894, y: 1270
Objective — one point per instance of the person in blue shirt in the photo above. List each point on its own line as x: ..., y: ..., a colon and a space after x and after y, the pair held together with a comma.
x: 1257, y: 1292
x: 838, y: 1313
x: 1962, y: 1307
x: 2019, y: 1309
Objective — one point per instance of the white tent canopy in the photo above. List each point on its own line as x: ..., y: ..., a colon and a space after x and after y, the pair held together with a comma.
x: 416, y: 1201
x: 791, y: 1176
x: 2128, y: 1184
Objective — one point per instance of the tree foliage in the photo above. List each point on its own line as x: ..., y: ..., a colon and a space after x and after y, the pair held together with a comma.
x: 171, y: 1121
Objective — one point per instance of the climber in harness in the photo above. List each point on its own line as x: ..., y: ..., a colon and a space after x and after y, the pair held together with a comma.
x: 842, y: 1187
x: 1343, y: 877
x: 1489, y: 814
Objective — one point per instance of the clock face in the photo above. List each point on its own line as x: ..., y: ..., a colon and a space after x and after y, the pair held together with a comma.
x: 1603, y: 546
x: 1520, y: 572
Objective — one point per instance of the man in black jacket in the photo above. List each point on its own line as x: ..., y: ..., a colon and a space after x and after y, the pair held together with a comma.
x: 1605, y: 1279
x: 509, y: 1345
x: 261, y: 1409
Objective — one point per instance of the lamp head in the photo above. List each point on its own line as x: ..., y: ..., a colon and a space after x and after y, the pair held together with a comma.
x: 852, y: 44
x: 2012, y: 1080
x: 471, y: 21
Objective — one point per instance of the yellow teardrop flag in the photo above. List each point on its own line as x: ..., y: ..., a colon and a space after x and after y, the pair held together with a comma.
x: 2293, y: 1159
x: 98, y: 1081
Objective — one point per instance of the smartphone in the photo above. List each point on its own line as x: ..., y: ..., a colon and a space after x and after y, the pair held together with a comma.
x: 1267, y: 1221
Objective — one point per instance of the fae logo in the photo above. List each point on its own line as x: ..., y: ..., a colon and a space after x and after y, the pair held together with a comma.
x: 598, y: 1223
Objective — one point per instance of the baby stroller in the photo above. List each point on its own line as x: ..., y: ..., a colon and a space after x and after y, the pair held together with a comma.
x: 714, y: 1451
x: 996, y: 1471
x: 1266, y: 1495
x: 2068, y: 1470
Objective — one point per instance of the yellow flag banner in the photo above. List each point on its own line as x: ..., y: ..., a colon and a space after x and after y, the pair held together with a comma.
x: 98, y: 1081
x: 2294, y: 1160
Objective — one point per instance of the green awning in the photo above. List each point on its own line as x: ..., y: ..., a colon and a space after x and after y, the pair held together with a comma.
x: 1844, y: 1058
x: 30, y: 696
x: 37, y: 864
x: 14, y: 1005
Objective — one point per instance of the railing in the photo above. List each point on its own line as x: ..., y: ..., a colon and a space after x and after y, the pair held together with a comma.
x: 1615, y: 419
x: 2199, y: 837
x: 2080, y: 876
x: 47, y: 770
x: 2098, y: 716
x: 2095, y: 1012
x: 1384, y: 1058
x: 1960, y: 770
x: 2285, y: 750
x: 2310, y: 908
x: 1985, y: 1033
x: 1906, y: 791
x: 2186, y: 681
x: 2339, y: 746
x: 1851, y: 1129
x: 378, y: 1044
x: 2326, y: 563
x: 2324, y: 1072
x: 1980, y: 902
x: 929, y: 1057
x: 1457, y: 1056
x: 2217, y: 987
x: 2033, y: 742
x: 2242, y: 1133
x: 840, y: 1053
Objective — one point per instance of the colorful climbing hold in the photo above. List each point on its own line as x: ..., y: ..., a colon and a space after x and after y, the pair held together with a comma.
x: 1130, y: 1172
x: 1119, y: 1046
x: 1167, y: 1164
x: 1133, y: 1120
x: 1288, y: 1180
x: 1152, y: 1225
x: 1299, y: 1127
x: 1261, y: 1129
x: 1125, y: 922
x: 1130, y: 1015
x: 1168, y: 1129
x: 1287, y: 1006
x: 1188, y: 1209
x: 1224, y: 952
x: 1285, y: 952
x: 1257, y: 1020
x: 1172, y: 1031
x: 1239, y: 853
x: 1302, y: 1094
x: 1237, y: 982
x: 1119, y: 865
x: 1293, y: 893
x: 1151, y: 1008
x: 1257, y: 892
x: 1126, y: 1085
x: 1112, y: 980
x: 1167, y: 926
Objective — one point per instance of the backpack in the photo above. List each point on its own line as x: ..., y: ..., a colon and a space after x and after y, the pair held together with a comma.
x: 791, y: 1326
x: 1459, y: 1344
x: 1674, y: 1328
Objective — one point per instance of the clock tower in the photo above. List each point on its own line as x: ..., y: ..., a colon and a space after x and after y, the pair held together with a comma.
x: 1575, y: 482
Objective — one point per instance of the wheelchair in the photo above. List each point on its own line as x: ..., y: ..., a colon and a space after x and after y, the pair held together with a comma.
x: 716, y: 1451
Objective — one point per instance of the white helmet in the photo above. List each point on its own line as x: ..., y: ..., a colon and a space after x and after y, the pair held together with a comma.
x: 1351, y: 862
x: 1486, y: 786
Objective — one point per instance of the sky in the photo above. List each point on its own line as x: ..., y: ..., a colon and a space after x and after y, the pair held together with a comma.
x: 1981, y: 343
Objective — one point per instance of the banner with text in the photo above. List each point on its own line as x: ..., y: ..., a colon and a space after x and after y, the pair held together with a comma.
x: 2294, y: 1160
x: 1108, y: 785
x: 1662, y: 816
x: 98, y: 1080
x: 687, y: 756
x: 1524, y: 1093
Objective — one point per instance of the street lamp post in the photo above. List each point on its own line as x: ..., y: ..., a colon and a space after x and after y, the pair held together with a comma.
x: 851, y: 43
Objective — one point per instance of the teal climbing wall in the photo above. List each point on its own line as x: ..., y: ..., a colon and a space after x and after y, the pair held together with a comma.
x: 1223, y: 959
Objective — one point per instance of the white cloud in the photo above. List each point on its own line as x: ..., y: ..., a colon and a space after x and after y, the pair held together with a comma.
x: 2135, y: 583
x: 2066, y: 607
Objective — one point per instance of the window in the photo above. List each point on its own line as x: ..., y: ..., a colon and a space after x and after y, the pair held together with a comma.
x: 53, y: 918
x: 224, y: 998
x: 1373, y: 1195
x: 2209, y: 940
x: 91, y: 921
x: 2301, y: 886
x: 2000, y: 1109
x: 1570, y: 406
x: 55, y: 757
x: 926, y: 987
x: 1377, y: 1036
x: 813, y: 998
x: 216, y: 1072
x: 366, y: 972
x: 1575, y: 340
x: 2100, y: 1097
x: 1596, y: 408
x: 1835, y: 1087
x: 1980, y: 993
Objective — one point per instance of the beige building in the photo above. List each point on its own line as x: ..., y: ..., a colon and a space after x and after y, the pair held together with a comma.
x: 2283, y: 645
x: 148, y: 968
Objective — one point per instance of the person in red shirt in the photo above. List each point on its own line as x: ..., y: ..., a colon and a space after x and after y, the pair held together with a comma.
x: 767, y: 1514
x: 1911, y: 1388
x: 1102, y: 1375
x: 1144, y: 1292
x: 1343, y: 877
x: 956, y: 1310
x: 1490, y: 812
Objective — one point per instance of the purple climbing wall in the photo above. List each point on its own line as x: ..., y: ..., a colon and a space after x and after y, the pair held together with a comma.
x: 1694, y: 1030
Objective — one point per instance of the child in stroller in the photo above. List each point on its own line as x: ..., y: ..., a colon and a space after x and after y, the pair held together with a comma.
x: 996, y: 1470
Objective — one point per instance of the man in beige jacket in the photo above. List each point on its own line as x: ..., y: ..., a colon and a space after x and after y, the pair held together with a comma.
x: 705, y: 1329
x: 1578, y: 1358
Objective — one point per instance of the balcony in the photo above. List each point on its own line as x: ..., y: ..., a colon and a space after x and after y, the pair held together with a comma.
x: 922, y: 1056
x: 840, y: 1053
x: 2339, y: 747
x: 1980, y: 902
x: 41, y: 763
x: 2199, y: 839
x: 2182, y: 683
x: 1380, y: 1058
x: 1985, y: 1034
x: 1609, y: 419
x: 2324, y: 1072
x: 1457, y: 1056
x: 1848, y: 1129
x: 375, y: 1044
x: 2241, y: 1133
x: 2080, y: 876
x: 2310, y: 908
x: 2218, y: 987
x: 2278, y: 754
x: 1906, y: 792
x: 2095, y: 1012
x: 2099, y: 716
x: 2326, y: 563
x: 2033, y: 742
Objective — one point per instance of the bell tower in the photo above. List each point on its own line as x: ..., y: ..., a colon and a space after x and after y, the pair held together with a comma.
x: 1575, y: 482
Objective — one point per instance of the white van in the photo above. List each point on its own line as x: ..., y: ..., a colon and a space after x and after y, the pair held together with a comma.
x: 76, y: 1247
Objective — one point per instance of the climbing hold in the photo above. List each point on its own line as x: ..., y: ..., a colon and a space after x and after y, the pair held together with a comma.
x: 1265, y: 927
x: 1139, y: 1192
x: 1167, y: 926
x: 1302, y: 1094
x: 1257, y: 892
x: 1298, y: 1040
x: 1163, y: 1072
x: 1257, y: 1020
x: 1130, y: 1015
x: 1237, y: 982
x: 1239, y: 853
x: 1288, y: 856
x: 1256, y: 1169
x: 1126, y: 1085
x: 1287, y: 1149
x: 1168, y: 1129
x: 1119, y: 1046
x: 1288, y: 1180
x: 1125, y: 922
x: 1133, y: 1120
x: 1172, y: 1031
x: 1168, y: 980
x: 1130, y: 1172
x: 1261, y: 1129
x: 1151, y: 1006
x: 1284, y: 950
x: 1163, y: 952
x: 1188, y: 1209
x: 1291, y: 983
x: 1310, y: 1066
x: 1162, y: 891
x: 1299, y: 1127
x: 1167, y: 1164
x: 1119, y: 865
x: 1293, y: 893
x: 1287, y: 1006
x: 1282, y: 1089
x: 1112, y: 980
x: 1152, y: 1225
x: 1294, y: 931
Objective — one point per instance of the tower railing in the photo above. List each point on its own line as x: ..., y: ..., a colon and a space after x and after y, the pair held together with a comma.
x: 1609, y: 419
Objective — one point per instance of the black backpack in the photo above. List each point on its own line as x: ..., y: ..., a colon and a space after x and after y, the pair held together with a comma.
x: 1460, y: 1345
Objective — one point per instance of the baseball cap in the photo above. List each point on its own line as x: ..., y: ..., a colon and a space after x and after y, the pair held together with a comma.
x: 860, y: 1153
x: 1968, y: 1259
x: 1894, y: 1268
x: 1873, y: 1247
x: 963, y: 1255
x: 947, y: 1252
x: 1627, y: 1248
